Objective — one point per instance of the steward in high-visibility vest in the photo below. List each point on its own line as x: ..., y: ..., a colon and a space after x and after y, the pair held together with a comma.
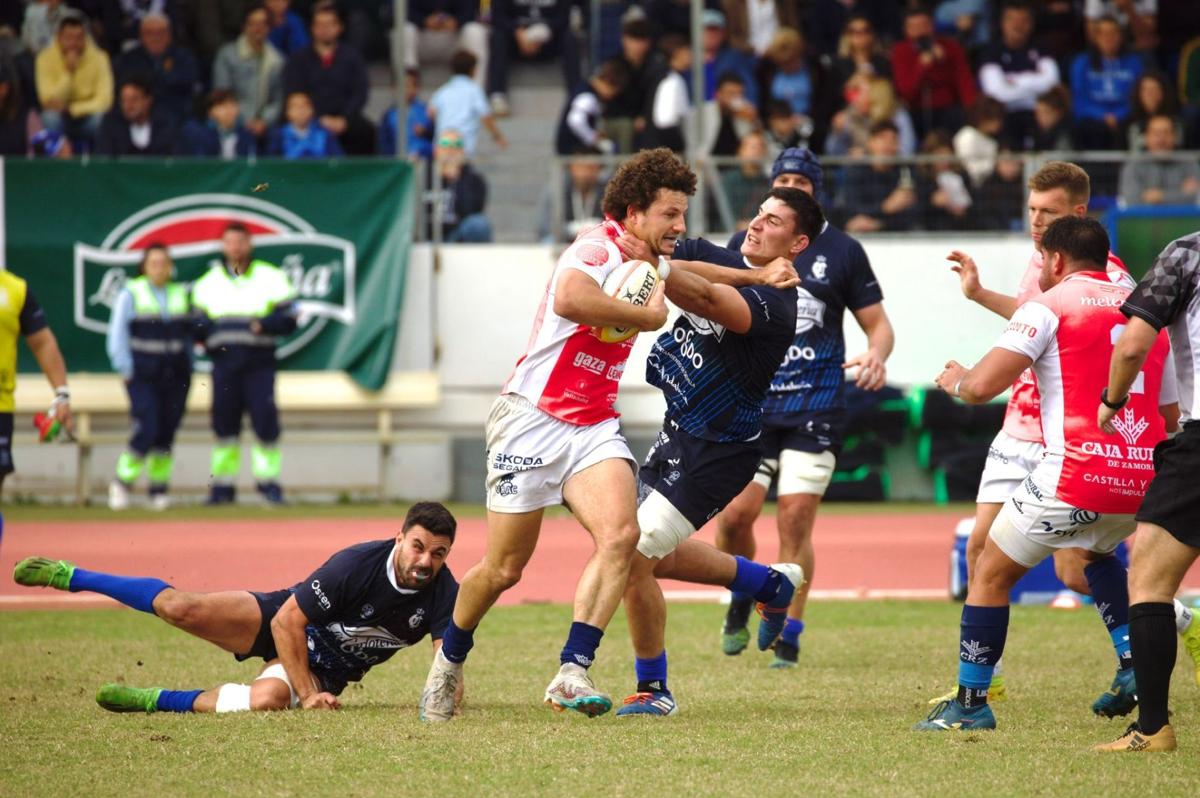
x: 150, y: 345
x: 22, y: 316
x: 245, y: 304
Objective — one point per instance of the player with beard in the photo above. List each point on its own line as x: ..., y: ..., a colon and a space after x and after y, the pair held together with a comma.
x: 363, y: 605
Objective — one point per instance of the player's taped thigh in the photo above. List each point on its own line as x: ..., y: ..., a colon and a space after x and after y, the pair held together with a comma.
x: 768, y: 467
x: 805, y: 472
x: 662, y: 527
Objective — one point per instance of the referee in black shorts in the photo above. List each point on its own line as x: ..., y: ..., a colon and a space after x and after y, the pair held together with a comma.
x: 1168, y: 530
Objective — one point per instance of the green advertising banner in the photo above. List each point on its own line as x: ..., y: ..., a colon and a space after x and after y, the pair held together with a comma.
x: 340, y: 230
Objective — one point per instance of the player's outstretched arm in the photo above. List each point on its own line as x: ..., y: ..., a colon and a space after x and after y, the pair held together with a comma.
x: 779, y: 273
x: 968, y: 276
x: 287, y: 627
x: 719, y: 303
x: 578, y: 298
x: 987, y: 380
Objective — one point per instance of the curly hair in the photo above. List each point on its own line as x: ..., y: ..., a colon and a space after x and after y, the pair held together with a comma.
x: 637, y: 182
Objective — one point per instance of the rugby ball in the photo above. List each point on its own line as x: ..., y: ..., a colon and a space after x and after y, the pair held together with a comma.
x: 633, y: 281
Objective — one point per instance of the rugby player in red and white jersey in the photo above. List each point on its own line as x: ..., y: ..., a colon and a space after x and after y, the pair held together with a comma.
x: 553, y: 436
x: 1085, y: 490
x: 1056, y: 190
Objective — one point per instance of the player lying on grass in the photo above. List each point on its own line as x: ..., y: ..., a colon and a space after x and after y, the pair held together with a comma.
x: 363, y: 605
x: 1085, y: 490
x: 714, y: 367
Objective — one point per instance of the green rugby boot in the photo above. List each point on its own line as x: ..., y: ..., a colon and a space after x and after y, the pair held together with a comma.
x: 41, y: 572
x: 119, y: 698
x: 734, y: 642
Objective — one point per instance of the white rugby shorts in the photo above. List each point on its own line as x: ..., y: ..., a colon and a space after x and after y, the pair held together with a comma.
x: 1009, y: 461
x: 1033, y: 523
x: 531, y: 455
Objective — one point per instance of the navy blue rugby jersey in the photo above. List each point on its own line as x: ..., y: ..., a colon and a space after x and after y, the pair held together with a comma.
x: 715, y: 381
x: 358, y: 615
x: 835, y: 276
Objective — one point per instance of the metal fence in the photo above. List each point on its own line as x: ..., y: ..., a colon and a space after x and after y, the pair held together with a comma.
x: 933, y: 194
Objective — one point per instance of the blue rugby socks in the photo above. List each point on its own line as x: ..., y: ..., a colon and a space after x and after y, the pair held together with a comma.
x: 981, y: 644
x: 754, y: 579
x: 137, y: 592
x: 177, y: 700
x: 652, y: 674
x: 457, y: 643
x: 791, y: 632
x: 581, y: 645
x: 1109, y: 584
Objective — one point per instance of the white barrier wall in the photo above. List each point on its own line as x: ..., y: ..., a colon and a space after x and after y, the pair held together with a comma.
x: 488, y: 297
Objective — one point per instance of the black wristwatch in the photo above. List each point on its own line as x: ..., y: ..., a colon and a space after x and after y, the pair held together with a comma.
x: 1112, y: 405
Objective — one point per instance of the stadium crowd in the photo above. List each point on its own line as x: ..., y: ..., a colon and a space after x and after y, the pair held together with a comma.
x: 969, y: 82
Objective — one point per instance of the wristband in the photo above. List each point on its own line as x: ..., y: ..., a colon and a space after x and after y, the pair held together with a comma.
x: 62, y: 394
x: 1112, y: 405
x: 664, y: 267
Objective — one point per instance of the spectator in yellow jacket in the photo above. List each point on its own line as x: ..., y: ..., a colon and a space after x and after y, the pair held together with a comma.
x: 74, y: 82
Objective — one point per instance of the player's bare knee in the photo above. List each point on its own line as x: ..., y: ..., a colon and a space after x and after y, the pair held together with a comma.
x: 269, y: 694
x: 1070, y: 573
x: 179, y: 608
x: 502, y: 576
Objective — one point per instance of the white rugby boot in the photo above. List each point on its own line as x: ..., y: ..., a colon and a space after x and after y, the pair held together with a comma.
x: 437, y: 701
x: 572, y: 688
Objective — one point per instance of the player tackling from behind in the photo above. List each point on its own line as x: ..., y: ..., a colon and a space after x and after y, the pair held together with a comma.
x: 363, y: 605
x: 1056, y: 190
x: 553, y: 436
x: 1085, y: 490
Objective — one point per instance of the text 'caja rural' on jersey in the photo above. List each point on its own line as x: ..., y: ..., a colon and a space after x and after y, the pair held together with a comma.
x: 1069, y: 333
x: 359, y: 615
x: 229, y: 303
x: 566, y: 371
x: 1168, y: 296
x: 1022, y: 417
x: 835, y: 276
x: 714, y: 380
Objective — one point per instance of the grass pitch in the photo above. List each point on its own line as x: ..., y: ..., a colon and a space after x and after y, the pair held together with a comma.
x: 838, y: 725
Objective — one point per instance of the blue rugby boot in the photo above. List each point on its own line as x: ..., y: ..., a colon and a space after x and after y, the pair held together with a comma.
x: 953, y: 716
x: 658, y: 704
x: 1120, y: 698
x: 773, y: 613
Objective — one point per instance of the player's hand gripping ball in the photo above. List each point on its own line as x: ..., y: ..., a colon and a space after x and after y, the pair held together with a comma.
x: 633, y: 282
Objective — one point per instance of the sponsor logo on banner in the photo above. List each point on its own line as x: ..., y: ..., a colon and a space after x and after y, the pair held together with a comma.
x: 320, y: 266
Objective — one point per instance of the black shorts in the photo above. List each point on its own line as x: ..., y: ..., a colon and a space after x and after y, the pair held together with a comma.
x: 6, y: 433
x: 1172, y: 500
x: 264, y: 642
x: 697, y: 476
x: 811, y: 432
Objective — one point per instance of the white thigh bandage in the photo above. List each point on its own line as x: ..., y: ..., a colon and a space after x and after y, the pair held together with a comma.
x: 277, y: 671
x: 805, y: 472
x: 663, y: 527
x: 765, y: 475
x: 233, y: 698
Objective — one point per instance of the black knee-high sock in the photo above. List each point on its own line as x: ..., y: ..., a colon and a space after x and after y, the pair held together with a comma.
x: 1152, y: 638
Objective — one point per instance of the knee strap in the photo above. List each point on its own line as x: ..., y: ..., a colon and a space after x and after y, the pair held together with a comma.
x: 233, y: 698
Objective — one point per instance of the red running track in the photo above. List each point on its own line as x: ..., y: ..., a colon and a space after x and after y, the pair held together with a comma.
x: 868, y: 555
